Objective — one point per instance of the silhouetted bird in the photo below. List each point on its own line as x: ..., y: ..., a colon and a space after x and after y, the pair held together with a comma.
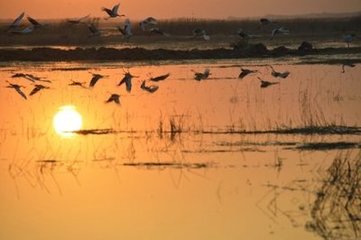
x: 113, y: 13
x: 126, y: 30
x: 265, y: 84
x: 280, y: 30
x: 75, y: 83
x: 77, y: 20
x: 148, y: 23
x: 279, y: 74
x: 29, y: 77
x: 95, y: 79
x: 245, y: 72
x: 151, y: 88
x: 127, y: 79
x: 37, y: 88
x: 201, y: 76
x: 114, y: 98
x: 94, y: 30
x: 242, y: 34
x: 17, y: 88
x: 160, y: 78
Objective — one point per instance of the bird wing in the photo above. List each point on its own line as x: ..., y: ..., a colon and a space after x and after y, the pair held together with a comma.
x: 94, y: 80
x: 107, y: 10
x: 115, y: 9
x: 35, y: 90
x: 17, y: 21
x: 33, y: 21
x: 20, y: 92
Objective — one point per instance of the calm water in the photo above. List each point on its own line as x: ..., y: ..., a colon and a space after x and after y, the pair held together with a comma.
x: 174, y: 164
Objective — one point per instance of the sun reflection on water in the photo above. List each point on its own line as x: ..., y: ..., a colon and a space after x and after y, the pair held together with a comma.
x: 67, y: 120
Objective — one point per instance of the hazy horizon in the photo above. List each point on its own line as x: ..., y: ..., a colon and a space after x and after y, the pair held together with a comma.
x: 210, y: 9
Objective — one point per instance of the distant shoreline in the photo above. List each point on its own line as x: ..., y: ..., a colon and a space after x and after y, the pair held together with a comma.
x: 142, y: 54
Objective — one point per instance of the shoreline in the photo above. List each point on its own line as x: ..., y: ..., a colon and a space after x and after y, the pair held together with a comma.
x: 141, y: 54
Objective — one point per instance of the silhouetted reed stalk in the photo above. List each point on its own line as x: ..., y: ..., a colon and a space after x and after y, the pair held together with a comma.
x: 336, y: 212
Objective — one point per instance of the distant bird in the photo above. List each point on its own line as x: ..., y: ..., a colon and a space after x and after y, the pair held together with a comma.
x: 29, y: 77
x: 17, y: 88
x: 265, y: 84
x: 77, y: 20
x: 126, y: 30
x: 347, y: 64
x: 16, y: 23
x: 280, y: 30
x: 201, y: 76
x: 113, y: 13
x: 114, y: 98
x: 279, y: 74
x: 75, y: 83
x: 127, y: 79
x: 95, y: 79
x: 201, y: 33
x: 26, y: 30
x: 160, y: 78
x: 151, y: 88
x: 37, y: 88
x: 348, y: 38
x: 148, y: 23
x: 34, y: 22
x: 94, y: 30
x: 245, y: 72
x: 265, y: 21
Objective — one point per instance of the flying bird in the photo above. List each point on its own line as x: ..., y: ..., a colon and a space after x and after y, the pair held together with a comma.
x: 16, y: 23
x: 37, y: 88
x: 94, y: 30
x: 126, y: 30
x: 75, y: 83
x: 160, y: 78
x: 280, y: 30
x: 151, y: 88
x: 17, y: 88
x: 77, y: 20
x: 265, y: 84
x: 114, y: 98
x: 279, y: 74
x: 29, y: 77
x: 113, y: 13
x: 127, y: 79
x: 201, y: 76
x: 148, y: 23
x: 95, y: 79
x: 245, y: 72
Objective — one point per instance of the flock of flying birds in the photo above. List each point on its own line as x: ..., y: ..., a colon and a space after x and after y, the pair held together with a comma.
x: 149, y: 24
x: 127, y: 81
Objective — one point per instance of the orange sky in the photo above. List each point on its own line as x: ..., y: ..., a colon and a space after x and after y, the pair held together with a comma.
x: 137, y: 9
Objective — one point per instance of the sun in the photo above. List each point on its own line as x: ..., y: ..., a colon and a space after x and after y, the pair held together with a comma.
x: 67, y: 120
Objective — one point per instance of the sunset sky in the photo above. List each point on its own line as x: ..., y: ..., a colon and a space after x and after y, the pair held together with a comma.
x: 137, y: 9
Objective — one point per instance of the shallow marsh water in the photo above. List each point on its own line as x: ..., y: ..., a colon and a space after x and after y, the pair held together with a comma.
x: 180, y: 163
